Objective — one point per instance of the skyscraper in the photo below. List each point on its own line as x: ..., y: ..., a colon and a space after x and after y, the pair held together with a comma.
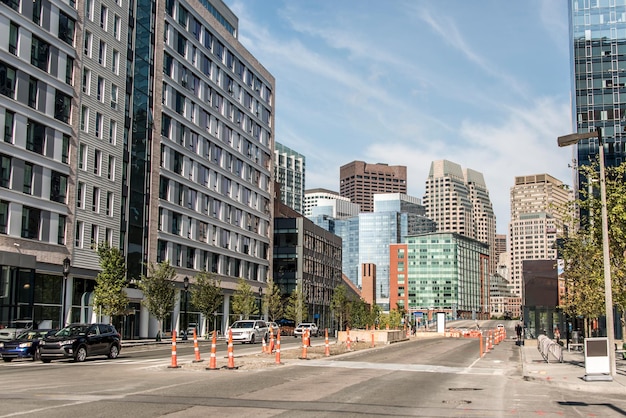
x: 289, y: 172
x: 458, y: 201
x: 598, y: 65
x: 360, y: 181
x: 537, y: 205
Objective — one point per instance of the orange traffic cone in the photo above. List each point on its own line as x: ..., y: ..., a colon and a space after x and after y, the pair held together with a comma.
x: 348, y: 338
x: 271, y: 347
x: 231, y: 355
x: 278, y: 346
x: 264, y: 348
x: 213, y: 360
x: 196, y: 349
x: 326, y: 345
x: 305, y: 344
x: 174, y: 364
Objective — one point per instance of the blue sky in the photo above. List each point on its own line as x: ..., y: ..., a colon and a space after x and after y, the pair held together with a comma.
x: 483, y: 83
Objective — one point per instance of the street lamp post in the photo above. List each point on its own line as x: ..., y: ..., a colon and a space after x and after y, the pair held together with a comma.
x: 185, y: 323
x: 260, y: 302
x: 572, y: 139
x: 66, y: 272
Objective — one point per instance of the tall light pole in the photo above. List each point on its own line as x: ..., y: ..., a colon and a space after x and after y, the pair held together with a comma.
x: 260, y: 302
x: 67, y: 265
x: 185, y: 323
x: 572, y: 139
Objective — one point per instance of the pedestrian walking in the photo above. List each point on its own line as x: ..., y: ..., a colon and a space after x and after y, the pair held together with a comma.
x: 518, y: 331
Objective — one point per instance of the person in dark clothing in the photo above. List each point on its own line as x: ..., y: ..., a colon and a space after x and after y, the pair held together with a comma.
x: 518, y: 331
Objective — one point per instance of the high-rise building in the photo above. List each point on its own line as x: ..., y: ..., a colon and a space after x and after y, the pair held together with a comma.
x: 147, y: 126
x: 289, y: 172
x: 458, y: 201
x: 360, y: 181
x: 598, y: 45
x: 326, y: 202
x: 537, y: 215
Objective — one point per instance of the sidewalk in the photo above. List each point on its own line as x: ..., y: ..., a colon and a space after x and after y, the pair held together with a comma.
x: 570, y: 373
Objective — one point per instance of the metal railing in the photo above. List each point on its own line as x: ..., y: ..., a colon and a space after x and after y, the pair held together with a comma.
x: 549, y: 349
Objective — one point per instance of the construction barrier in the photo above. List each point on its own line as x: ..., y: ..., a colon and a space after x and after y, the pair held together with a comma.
x: 278, y: 346
x: 231, y: 354
x: 326, y: 344
x: 174, y: 364
x: 196, y: 349
x: 213, y: 360
x: 271, y: 347
x: 305, y: 344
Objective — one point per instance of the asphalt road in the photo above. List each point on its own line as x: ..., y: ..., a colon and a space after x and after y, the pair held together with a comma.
x: 428, y: 378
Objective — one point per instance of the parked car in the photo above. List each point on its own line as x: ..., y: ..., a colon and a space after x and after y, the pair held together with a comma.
x: 26, y: 345
x: 249, y: 331
x: 79, y: 341
x: 17, y: 327
x: 312, y: 327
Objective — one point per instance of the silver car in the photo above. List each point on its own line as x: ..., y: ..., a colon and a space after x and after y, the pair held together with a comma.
x: 249, y: 331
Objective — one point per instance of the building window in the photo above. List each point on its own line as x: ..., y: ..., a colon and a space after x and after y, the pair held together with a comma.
x: 109, y: 236
x: 61, y: 230
x: 104, y: 17
x: 5, y: 171
x: 95, y: 233
x: 39, y: 54
x: 28, y: 178
x: 109, y: 207
x: 63, y: 107
x: 102, y: 54
x: 117, y: 27
x: 65, y: 152
x: 89, y: 9
x: 66, y: 28
x: 69, y: 71
x: 58, y: 187
x: 112, y: 132
x: 100, y: 92
x: 82, y: 157
x: 97, y: 163
x: 99, y: 125
x: 114, y: 93
x: 115, y: 62
x: 4, y: 216
x: 80, y: 232
x: 31, y: 219
x: 14, y: 31
x: 35, y: 137
x: 111, y: 168
x: 80, y: 195
x: 7, y: 80
x: 32, y: 92
x: 9, y: 124
x: 86, y: 81
x: 95, y: 200
x: 36, y: 11
x: 87, y: 45
x: 84, y: 119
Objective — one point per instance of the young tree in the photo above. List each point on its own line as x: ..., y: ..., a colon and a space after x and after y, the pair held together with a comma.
x: 110, y: 298
x: 159, y: 291
x: 273, y: 302
x: 296, y: 309
x: 206, y: 294
x: 244, y: 301
x: 340, y: 305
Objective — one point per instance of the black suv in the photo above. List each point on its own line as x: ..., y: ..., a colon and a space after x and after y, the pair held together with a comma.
x: 78, y: 341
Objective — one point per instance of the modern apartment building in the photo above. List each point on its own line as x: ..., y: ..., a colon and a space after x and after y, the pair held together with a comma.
x: 458, y: 201
x: 598, y: 62
x: 326, y: 202
x: 289, y: 172
x: 440, y: 272
x: 537, y: 215
x: 155, y: 136
x: 360, y: 181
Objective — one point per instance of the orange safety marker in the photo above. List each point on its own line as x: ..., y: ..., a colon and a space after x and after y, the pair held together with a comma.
x: 196, y: 349
x: 213, y: 360
x: 264, y: 348
x: 326, y: 345
x: 481, y: 345
x: 373, y: 344
x: 305, y: 344
x: 174, y: 364
x: 348, y: 338
x: 278, y: 346
x: 271, y: 348
x: 231, y: 355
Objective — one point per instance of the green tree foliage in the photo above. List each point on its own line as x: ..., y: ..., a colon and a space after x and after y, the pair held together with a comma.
x: 340, y: 306
x: 245, y: 303
x: 582, y: 252
x: 206, y: 294
x: 273, y: 302
x: 159, y: 291
x: 110, y: 298
x: 296, y: 308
